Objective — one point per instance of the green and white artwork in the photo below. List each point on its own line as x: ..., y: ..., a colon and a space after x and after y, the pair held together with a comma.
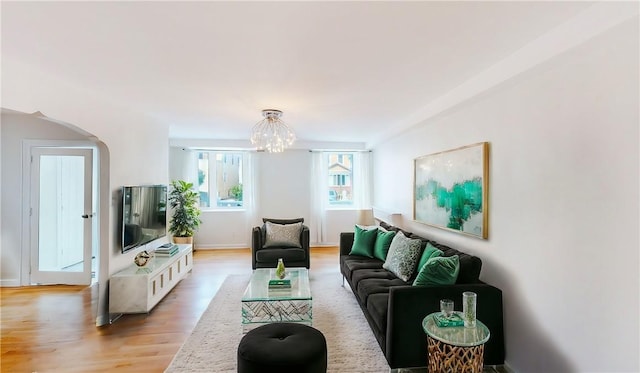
x: 450, y: 189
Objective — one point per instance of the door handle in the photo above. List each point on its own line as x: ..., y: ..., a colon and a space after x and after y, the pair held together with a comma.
x: 86, y: 216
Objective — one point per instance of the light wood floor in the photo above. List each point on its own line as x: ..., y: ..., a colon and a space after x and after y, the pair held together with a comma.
x: 52, y: 328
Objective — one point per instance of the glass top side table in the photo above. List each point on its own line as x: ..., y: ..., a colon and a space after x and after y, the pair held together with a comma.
x: 455, y: 348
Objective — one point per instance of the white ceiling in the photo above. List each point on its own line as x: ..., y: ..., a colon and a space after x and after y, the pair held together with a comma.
x: 340, y: 71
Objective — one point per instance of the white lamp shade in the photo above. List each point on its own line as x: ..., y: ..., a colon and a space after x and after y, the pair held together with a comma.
x: 365, y: 217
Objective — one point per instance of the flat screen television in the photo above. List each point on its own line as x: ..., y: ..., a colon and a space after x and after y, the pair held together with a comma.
x: 144, y: 215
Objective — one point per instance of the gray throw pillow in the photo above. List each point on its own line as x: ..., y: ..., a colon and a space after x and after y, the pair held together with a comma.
x: 287, y: 235
x: 403, y: 256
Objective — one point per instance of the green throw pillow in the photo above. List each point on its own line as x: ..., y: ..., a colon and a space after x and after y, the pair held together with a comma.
x: 363, y: 241
x: 383, y: 241
x: 441, y: 270
x: 429, y: 252
x: 403, y: 256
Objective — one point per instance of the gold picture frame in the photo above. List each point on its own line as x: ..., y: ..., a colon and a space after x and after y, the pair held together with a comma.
x: 451, y: 190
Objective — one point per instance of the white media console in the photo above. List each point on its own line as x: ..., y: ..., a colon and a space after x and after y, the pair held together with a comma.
x: 138, y: 289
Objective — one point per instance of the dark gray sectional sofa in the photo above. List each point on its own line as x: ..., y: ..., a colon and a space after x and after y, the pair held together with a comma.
x: 395, y: 309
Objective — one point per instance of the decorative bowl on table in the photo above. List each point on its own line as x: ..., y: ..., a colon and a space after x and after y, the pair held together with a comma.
x: 142, y: 259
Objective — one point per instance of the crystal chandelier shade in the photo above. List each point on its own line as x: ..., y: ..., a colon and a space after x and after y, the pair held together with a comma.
x: 271, y: 133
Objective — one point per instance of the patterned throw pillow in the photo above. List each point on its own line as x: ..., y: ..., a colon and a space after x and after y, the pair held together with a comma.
x: 287, y: 235
x: 403, y: 256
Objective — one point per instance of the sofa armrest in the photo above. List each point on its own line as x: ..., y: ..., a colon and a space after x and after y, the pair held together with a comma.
x: 256, y: 244
x: 346, y: 242
x: 305, y: 237
x: 406, y: 342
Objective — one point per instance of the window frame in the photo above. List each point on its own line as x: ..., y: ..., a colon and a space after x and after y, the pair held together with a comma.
x: 212, y: 168
x: 343, y: 181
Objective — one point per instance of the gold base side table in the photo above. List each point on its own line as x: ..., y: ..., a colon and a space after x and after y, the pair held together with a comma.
x: 455, y: 349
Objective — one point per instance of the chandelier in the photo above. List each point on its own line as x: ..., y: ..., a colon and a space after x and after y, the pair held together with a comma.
x: 271, y: 133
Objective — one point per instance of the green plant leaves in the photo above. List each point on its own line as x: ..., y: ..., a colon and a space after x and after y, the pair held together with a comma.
x: 184, y: 201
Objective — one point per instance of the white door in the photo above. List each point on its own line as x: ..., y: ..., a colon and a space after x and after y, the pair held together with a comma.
x: 60, y: 216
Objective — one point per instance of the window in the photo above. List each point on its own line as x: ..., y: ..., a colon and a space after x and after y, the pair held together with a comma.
x: 220, y: 179
x: 340, y: 179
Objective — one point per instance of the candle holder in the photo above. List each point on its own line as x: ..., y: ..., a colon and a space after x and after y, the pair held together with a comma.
x: 446, y: 307
x: 469, y: 301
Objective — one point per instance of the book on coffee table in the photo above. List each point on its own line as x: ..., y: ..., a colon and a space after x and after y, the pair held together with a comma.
x: 280, y: 283
x: 443, y: 321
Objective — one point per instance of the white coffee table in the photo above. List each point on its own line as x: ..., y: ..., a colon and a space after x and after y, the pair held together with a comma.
x: 261, y: 305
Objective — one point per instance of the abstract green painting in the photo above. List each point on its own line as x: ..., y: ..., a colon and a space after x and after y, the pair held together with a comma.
x: 451, y: 189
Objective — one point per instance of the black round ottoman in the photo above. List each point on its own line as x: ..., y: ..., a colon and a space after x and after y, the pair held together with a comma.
x: 283, y: 347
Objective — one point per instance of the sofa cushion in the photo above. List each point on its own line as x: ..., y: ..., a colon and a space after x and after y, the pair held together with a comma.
x: 441, y: 270
x: 289, y: 254
x: 429, y: 252
x: 361, y: 274
x: 351, y: 263
x: 279, y: 235
x: 370, y: 286
x: 377, y: 306
x: 381, y: 246
x: 470, y: 267
x: 388, y: 227
x: 363, y: 241
x: 403, y: 256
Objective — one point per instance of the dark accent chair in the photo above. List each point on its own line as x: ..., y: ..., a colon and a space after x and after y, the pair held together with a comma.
x: 267, y: 257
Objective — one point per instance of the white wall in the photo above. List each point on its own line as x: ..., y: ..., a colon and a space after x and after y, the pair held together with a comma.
x: 14, y: 129
x: 285, y: 184
x: 134, y: 146
x: 563, y: 206
x: 283, y: 190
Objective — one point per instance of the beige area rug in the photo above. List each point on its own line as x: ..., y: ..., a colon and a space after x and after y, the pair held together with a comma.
x: 351, y: 346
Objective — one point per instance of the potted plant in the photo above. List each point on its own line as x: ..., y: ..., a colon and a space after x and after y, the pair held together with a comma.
x: 186, y: 211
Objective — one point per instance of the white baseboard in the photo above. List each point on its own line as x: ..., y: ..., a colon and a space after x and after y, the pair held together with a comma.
x: 241, y: 246
x: 508, y: 368
x: 218, y: 247
x: 324, y: 244
x: 12, y: 283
